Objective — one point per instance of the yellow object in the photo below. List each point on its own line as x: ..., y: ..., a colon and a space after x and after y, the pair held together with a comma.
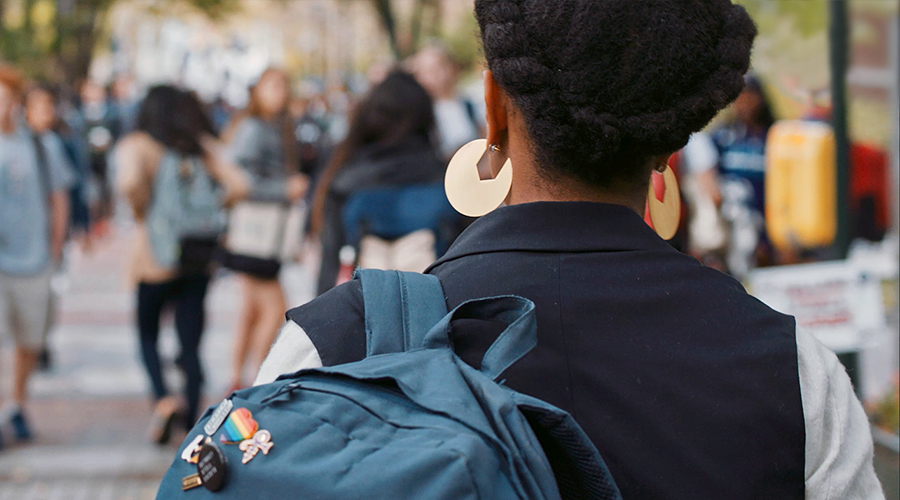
x: 801, y: 200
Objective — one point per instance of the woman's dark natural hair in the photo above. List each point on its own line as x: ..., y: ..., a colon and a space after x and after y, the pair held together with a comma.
x: 175, y: 118
x: 604, y: 85
x: 393, y: 111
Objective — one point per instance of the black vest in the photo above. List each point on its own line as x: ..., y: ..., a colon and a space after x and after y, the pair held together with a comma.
x: 687, y: 385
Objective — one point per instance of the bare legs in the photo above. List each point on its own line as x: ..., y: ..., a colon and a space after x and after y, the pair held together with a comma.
x: 262, y: 314
x: 25, y: 362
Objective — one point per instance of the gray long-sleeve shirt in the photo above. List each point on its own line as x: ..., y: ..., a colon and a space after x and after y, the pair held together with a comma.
x: 257, y: 147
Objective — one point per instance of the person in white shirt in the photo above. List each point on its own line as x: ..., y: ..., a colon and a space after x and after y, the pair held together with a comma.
x: 457, y: 118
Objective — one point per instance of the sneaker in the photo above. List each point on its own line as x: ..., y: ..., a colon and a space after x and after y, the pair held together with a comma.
x: 162, y: 421
x: 20, y: 426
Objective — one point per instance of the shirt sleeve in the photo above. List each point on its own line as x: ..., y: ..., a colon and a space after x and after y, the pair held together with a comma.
x: 839, y: 447
x: 292, y: 351
x: 61, y: 171
x: 327, y: 331
x: 700, y: 153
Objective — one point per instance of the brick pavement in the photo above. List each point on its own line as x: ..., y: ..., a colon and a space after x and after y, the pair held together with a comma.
x: 90, y: 412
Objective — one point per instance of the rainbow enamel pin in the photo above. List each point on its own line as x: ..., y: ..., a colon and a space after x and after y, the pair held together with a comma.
x: 239, y: 426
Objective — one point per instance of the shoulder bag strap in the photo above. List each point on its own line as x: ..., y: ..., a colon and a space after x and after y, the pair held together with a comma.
x: 43, y: 168
x: 400, y: 308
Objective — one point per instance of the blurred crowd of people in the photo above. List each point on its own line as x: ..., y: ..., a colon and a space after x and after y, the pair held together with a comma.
x: 215, y: 189
x: 356, y: 180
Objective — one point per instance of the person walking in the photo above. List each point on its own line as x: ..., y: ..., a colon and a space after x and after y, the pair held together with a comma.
x: 43, y: 118
x: 741, y: 159
x: 389, y: 144
x: 688, y: 386
x: 101, y: 127
x: 262, y: 142
x: 34, y: 216
x: 172, y: 133
x: 457, y: 118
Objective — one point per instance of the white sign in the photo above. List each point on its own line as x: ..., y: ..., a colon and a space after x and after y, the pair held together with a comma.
x: 838, y: 303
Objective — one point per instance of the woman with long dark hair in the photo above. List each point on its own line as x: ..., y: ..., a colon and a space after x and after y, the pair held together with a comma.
x: 390, y: 142
x: 171, y: 127
x: 688, y: 386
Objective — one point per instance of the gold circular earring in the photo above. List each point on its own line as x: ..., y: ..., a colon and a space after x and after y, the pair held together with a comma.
x: 467, y: 192
x: 665, y: 215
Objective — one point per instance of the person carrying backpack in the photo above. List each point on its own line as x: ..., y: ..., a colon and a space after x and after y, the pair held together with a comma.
x: 686, y: 385
x: 388, y: 148
x: 34, y: 216
x: 177, y: 184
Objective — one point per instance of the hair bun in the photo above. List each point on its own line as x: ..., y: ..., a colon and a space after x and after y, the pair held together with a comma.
x: 604, y: 84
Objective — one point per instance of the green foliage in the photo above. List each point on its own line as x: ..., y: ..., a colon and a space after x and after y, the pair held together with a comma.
x: 65, y: 55
x: 886, y: 412
x: 214, y: 9
x: 808, y: 17
x: 407, y: 33
x: 464, y: 42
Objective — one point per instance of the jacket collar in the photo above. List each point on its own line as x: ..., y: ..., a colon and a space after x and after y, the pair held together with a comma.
x: 556, y: 227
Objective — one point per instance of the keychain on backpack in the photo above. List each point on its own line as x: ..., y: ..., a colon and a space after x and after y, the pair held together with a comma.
x: 192, y: 452
x: 211, y: 464
x: 212, y: 470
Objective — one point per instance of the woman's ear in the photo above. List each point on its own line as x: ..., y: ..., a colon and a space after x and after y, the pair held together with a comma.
x: 497, y: 116
x: 496, y: 111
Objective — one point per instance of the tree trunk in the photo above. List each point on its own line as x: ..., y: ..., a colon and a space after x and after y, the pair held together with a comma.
x: 76, y: 33
x: 388, y: 20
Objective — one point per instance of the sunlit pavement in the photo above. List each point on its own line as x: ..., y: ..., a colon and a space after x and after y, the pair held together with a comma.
x: 90, y: 412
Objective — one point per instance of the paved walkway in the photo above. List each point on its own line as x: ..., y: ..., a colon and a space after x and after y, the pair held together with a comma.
x: 91, y: 411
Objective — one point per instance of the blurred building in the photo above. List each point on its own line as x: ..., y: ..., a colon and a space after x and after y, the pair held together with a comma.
x: 221, y: 57
x: 326, y: 39
x: 873, y: 83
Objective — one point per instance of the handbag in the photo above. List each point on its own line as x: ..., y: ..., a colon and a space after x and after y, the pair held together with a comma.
x: 197, y: 254
x: 263, y: 235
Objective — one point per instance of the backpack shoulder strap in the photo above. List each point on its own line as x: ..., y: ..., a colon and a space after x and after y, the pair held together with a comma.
x: 400, y: 308
x: 167, y: 168
x: 43, y: 168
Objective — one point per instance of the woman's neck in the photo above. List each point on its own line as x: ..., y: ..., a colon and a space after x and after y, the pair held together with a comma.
x: 529, y: 186
x: 536, y: 189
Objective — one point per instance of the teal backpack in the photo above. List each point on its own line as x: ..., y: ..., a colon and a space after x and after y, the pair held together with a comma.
x: 186, y: 210
x: 411, y: 421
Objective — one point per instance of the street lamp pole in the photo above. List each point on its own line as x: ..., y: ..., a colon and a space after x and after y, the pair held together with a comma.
x: 838, y: 56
